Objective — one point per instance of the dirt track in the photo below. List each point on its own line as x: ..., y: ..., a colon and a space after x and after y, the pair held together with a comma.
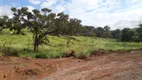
x: 119, y: 65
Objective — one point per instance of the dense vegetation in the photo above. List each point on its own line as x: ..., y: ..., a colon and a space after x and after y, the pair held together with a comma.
x: 51, y: 30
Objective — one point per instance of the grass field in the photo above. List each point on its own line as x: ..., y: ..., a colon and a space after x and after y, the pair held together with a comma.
x: 58, y: 45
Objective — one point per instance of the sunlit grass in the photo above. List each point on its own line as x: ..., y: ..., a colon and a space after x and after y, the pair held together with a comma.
x: 58, y: 45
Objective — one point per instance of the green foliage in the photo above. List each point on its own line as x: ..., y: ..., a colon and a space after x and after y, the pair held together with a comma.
x: 3, y: 22
x: 40, y: 25
x: 17, y: 23
x: 8, y: 51
x: 103, y: 32
x: 139, y: 31
x: 87, y: 31
x: 99, y: 32
x: 130, y: 35
x: 116, y: 34
x: 59, y: 45
x: 48, y: 55
x: 41, y: 55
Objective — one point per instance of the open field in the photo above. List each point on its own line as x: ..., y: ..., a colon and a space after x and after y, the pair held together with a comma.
x: 110, y: 65
x: 59, y: 45
x: 39, y: 43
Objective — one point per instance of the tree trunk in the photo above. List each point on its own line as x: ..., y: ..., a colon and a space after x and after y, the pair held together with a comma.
x: 18, y: 31
x: 36, y: 42
x: 35, y: 47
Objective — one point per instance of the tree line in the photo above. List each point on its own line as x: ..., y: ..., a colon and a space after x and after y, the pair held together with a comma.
x: 44, y: 22
x: 124, y: 35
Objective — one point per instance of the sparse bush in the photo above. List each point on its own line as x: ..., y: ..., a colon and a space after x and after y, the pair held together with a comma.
x: 8, y: 51
x: 41, y: 55
x: 82, y: 55
x: 68, y: 54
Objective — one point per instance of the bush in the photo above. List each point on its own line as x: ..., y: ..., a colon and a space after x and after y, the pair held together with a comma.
x: 70, y: 54
x: 8, y: 51
x: 41, y: 55
x: 83, y: 55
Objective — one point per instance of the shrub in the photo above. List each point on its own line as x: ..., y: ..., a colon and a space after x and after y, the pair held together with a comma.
x: 70, y: 54
x: 82, y: 55
x: 8, y: 51
x: 41, y: 55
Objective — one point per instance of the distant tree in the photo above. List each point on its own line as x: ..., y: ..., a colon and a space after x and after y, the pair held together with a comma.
x: 125, y: 35
x: 107, y: 33
x: 139, y: 31
x: 106, y: 28
x: 3, y: 22
x: 99, y: 32
x: 116, y: 34
x: 129, y: 35
x: 62, y: 23
x: 74, y: 27
x: 134, y: 36
x: 88, y: 31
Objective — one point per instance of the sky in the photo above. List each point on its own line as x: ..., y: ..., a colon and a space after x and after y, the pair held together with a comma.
x: 97, y: 13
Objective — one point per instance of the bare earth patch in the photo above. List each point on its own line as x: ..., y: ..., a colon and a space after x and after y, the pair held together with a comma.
x: 110, y: 65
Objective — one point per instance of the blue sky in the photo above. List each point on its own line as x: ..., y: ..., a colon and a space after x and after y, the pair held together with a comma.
x: 115, y: 13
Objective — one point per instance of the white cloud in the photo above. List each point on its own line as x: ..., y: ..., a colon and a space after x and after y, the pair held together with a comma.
x: 110, y: 12
x: 48, y: 3
x: 56, y: 5
x: 5, y: 10
x: 60, y: 8
x: 99, y: 12
x: 30, y: 8
x: 132, y: 1
x: 115, y: 13
x: 88, y: 5
x: 35, y: 2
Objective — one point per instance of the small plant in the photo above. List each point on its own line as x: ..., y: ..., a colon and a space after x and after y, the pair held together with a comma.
x: 68, y: 54
x: 82, y: 55
x: 8, y: 51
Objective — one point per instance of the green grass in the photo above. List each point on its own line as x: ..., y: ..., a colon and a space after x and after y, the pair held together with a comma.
x: 58, y: 45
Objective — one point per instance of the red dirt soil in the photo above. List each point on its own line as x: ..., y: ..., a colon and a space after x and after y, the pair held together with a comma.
x: 102, y: 65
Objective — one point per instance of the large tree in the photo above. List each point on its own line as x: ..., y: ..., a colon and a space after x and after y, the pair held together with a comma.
x: 40, y: 24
